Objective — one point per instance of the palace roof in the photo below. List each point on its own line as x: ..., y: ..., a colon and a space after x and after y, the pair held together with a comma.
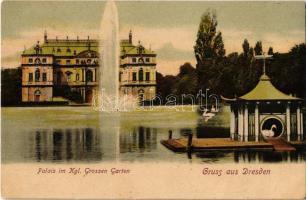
x: 70, y: 47
x: 264, y: 90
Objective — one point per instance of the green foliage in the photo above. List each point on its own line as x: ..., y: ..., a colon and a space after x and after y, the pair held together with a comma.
x: 246, y: 47
x: 184, y: 83
x: 236, y: 74
x: 209, y: 51
x: 270, y: 51
x: 11, y: 87
x: 258, y: 48
x: 287, y: 71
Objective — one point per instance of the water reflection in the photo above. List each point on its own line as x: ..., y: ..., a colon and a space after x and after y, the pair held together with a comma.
x: 139, y: 140
x: 68, y: 145
x: 88, y: 144
x: 96, y: 137
x: 269, y: 156
x: 252, y: 156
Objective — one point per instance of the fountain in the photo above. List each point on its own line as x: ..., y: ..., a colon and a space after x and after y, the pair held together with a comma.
x: 108, y: 99
x: 108, y: 93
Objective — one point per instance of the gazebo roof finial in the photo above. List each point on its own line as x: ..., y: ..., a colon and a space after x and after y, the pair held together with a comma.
x: 263, y: 57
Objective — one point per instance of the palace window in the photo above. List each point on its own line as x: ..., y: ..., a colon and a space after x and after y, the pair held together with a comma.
x: 37, y: 75
x: 141, y: 95
x: 147, y: 76
x: 59, y: 77
x: 44, y: 60
x: 68, y: 50
x: 44, y: 77
x: 30, y: 77
x: 134, y: 76
x: 140, y: 75
x: 77, y: 61
x: 89, y: 76
x: 58, y: 50
x: 133, y: 60
x: 77, y: 77
x: 120, y: 76
x: 68, y: 62
x: 68, y: 74
x: 30, y: 60
x: 147, y: 59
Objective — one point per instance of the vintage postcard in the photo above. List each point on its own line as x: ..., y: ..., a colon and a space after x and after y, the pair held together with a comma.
x: 153, y: 99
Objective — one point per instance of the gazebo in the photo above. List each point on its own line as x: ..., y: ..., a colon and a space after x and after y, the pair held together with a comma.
x: 266, y: 112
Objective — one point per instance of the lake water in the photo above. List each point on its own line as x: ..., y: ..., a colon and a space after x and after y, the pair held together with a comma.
x: 80, y: 134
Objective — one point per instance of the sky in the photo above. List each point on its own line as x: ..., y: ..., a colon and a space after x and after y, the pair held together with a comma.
x: 168, y: 27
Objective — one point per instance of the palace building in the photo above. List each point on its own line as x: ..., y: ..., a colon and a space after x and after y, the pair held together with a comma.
x: 68, y: 68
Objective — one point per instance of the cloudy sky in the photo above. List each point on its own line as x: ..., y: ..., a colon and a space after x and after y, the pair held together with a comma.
x: 170, y: 27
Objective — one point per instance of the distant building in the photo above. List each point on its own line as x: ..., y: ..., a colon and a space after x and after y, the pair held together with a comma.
x: 62, y: 67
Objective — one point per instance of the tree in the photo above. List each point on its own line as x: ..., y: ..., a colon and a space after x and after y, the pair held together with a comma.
x: 251, y: 52
x: 298, y: 58
x: 209, y: 50
x: 246, y: 47
x: 186, y: 69
x: 258, y: 48
x: 165, y: 84
x: 11, y: 86
x: 270, y: 51
x: 186, y: 81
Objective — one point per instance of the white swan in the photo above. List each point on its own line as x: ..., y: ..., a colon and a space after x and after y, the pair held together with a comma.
x: 269, y: 133
x: 213, y: 109
x: 208, y: 115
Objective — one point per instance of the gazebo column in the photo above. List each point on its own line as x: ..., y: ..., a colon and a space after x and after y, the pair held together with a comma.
x: 298, y: 120
x: 288, y: 121
x: 233, y: 123
x: 240, y: 123
x: 256, y: 123
x: 83, y: 75
x: 246, y: 123
x: 302, y: 124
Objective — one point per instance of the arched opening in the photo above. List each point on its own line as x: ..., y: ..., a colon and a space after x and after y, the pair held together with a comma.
x: 140, y: 60
x: 272, y: 127
x: 140, y: 75
x: 37, y: 94
x: 37, y: 61
x: 77, y: 77
x: 59, y: 77
x: 89, y: 76
x: 88, y: 96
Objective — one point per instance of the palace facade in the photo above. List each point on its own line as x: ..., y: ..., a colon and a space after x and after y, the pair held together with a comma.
x: 68, y: 68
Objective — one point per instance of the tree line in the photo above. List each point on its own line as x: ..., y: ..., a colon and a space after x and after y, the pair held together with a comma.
x: 236, y: 73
